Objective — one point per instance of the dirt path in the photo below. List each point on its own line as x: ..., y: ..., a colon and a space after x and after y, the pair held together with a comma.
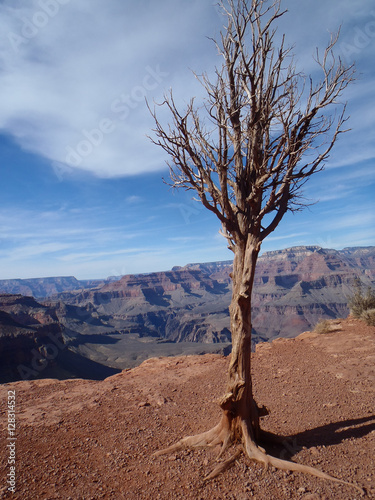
x: 89, y: 440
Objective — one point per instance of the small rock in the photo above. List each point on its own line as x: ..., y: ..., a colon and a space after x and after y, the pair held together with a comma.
x: 160, y: 401
x: 241, y: 496
x: 143, y: 404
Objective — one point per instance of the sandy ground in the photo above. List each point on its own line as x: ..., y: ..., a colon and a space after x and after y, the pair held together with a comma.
x: 81, y: 439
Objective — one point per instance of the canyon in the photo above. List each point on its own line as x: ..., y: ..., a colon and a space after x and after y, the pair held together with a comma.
x: 62, y: 327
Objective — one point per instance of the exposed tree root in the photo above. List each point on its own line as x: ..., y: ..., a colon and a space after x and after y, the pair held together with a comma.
x: 254, y: 452
x: 221, y: 435
x: 218, y: 435
x: 223, y: 466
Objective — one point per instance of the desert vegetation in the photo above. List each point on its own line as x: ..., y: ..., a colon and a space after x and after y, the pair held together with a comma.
x: 362, y: 303
x: 327, y: 326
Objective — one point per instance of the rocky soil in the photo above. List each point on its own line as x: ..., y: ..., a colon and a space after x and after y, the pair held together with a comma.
x: 80, y: 439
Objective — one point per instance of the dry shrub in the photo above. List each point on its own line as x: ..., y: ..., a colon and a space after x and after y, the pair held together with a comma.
x: 362, y: 305
x: 369, y: 317
x: 323, y: 326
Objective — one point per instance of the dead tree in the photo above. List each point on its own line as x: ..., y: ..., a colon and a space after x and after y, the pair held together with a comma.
x: 259, y: 135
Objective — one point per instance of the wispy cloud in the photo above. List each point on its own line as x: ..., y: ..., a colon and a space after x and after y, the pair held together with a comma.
x: 74, y: 81
x: 97, y: 255
x: 40, y: 249
x: 346, y: 182
x: 186, y: 239
x: 133, y: 200
x: 364, y: 219
x: 75, y: 75
x: 291, y: 236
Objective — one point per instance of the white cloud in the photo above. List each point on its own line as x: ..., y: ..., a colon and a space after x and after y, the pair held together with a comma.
x: 291, y: 236
x: 186, y: 239
x: 79, y: 82
x: 75, y: 73
x: 98, y: 255
x: 74, y: 90
x: 52, y: 233
x: 38, y: 249
x: 133, y: 200
x: 363, y: 219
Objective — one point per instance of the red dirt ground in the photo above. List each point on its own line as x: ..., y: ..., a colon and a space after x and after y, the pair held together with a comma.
x: 81, y: 439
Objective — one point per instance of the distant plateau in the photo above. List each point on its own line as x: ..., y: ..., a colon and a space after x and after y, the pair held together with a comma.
x: 65, y: 328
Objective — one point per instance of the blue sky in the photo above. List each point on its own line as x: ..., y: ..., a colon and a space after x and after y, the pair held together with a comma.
x: 81, y: 184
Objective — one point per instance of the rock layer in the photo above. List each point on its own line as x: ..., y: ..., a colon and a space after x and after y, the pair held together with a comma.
x: 119, y: 323
x: 294, y: 289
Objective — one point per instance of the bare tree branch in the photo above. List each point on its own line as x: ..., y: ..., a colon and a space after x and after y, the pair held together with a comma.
x: 261, y: 132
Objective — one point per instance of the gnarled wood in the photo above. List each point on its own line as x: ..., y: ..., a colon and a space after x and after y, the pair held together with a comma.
x: 244, y: 153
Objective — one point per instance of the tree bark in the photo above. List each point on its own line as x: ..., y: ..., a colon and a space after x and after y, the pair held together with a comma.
x: 238, y: 402
x: 240, y: 417
x: 249, y: 173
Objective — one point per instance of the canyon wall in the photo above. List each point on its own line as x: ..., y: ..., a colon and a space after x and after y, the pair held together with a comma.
x: 115, y: 324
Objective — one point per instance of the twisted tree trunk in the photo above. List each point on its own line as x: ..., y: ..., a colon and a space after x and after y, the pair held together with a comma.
x: 240, y: 418
x: 238, y: 402
x: 239, y: 423
x: 247, y: 168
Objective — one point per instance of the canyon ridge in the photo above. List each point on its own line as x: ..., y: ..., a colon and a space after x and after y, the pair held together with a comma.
x: 63, y: 327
